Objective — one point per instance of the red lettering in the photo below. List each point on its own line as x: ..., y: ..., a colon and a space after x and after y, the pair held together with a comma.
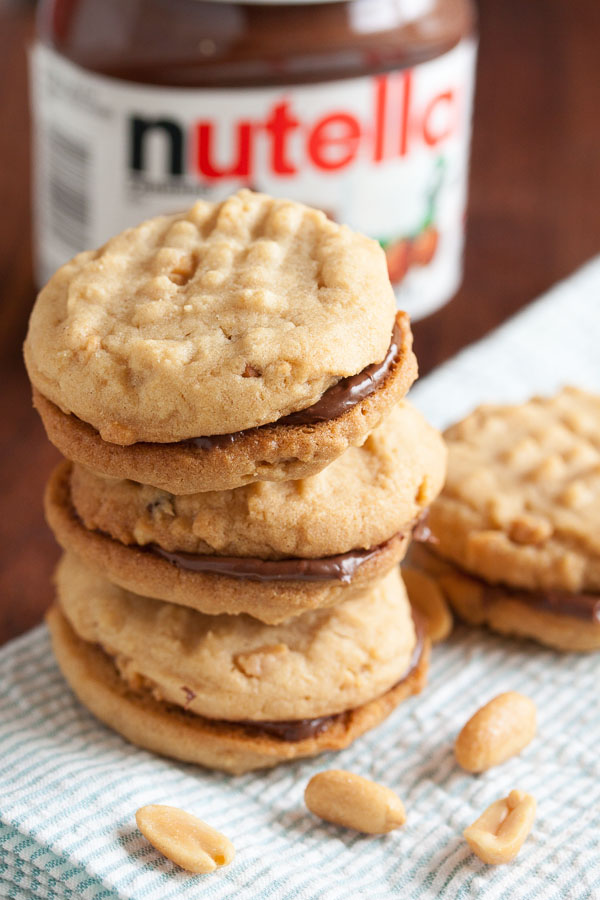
x: 380, y: 117
x: 240, y: 167
x: 279, y: 125
x: 405, y: 99
x: 434, y: 132
x: 334, y: 141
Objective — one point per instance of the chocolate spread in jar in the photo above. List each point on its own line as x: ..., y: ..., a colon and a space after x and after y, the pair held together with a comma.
x: 360, y: 107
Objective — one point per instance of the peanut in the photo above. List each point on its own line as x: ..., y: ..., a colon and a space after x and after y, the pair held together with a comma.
x: 497, y: 731
x: 425, y: 594
x: 499, y: 833
x: 354, y: 802
x: 184, y: 839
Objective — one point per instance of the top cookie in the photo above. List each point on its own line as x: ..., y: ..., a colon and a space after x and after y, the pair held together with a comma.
x: 213, y: 321
x: 521, y: 504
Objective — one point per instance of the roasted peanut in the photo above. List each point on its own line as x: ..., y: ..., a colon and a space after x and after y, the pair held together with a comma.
x: 499, y: 833
x: 184, y: 839
x: 425, y: 594
x: 497, y: 731
x: 354, y: 802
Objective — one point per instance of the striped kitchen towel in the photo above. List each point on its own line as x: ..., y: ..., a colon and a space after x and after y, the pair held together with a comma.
x: 69, y: 787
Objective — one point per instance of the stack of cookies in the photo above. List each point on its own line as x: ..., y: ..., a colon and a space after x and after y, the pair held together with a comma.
x: 242, y: 479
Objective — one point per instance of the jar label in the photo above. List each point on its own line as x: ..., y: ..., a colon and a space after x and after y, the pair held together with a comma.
x: 387, y: 154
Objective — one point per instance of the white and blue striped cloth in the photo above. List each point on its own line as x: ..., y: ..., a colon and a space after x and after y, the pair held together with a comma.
x: 69, y: 787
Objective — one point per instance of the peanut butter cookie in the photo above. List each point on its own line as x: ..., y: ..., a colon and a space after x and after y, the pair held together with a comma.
x: 229, y: 692
x: 516, y: 530
x: 217, y: 744
x: 191, y: 333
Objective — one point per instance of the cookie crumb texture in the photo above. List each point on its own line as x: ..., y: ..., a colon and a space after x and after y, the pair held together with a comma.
x: 521, y: 503
x: 223, y: 318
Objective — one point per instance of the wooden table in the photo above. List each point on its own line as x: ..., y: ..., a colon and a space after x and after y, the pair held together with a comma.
x: 534, y: 216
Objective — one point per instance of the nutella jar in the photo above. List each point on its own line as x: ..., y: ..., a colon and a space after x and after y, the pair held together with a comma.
x: 360, y: 107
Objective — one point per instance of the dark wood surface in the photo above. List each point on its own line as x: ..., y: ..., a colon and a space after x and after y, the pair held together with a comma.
x: 533, y: 217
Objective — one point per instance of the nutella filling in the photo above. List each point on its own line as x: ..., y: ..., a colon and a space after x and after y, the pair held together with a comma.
x: 562, y: 603
x: 294, y: 730
x: 342, y: 567
x: 584, y: 606
x: 337, y: 400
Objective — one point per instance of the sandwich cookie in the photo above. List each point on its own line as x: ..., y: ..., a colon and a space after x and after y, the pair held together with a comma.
x: 516, y: 531
x: 270, y: 549
x: 243, y: 341
x: 227, y: 691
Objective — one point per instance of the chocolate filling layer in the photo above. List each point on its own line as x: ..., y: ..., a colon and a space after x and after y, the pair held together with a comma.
x: 563, y: 603
x: 584, y: 606
x: 342, y: 567
x: 337, y: 400
x: 294, y: 730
